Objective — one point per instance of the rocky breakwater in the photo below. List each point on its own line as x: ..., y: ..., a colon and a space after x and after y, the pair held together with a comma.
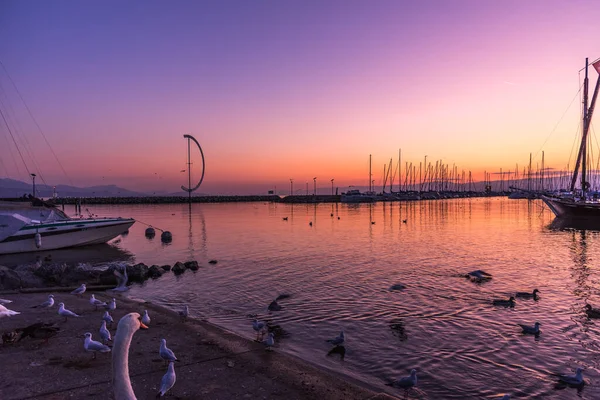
x: 52, y: 275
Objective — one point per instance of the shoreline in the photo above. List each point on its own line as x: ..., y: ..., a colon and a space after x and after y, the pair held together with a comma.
x: 216, y: 357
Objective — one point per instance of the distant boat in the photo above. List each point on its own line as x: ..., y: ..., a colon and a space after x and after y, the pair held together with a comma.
x: 355, y: 196
x: 581, y: 202
x: 28, y: 226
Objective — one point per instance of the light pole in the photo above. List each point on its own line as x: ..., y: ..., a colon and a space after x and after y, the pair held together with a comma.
x: 307, y: 188
x: 332, y: 186
x: 33, y: 176
x: 315, y: 182
x: 291, y: 186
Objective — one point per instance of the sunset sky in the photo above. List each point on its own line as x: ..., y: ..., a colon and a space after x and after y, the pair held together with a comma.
x: 275, y: 90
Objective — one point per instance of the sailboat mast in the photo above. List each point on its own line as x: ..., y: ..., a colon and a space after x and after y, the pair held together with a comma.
x: 369, y: 172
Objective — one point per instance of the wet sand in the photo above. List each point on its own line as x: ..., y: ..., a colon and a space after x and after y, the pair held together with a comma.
x: 214, y: 364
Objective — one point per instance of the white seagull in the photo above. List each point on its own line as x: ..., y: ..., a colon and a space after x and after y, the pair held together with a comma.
x: 105, y: 333
x: 406, y: 382
x: 535, y: 329
x: 270, y: 341
x: 337, y: 340
x: 258, y: 327
x: 146, y: 318
x: 79, y: 290
x: 122, y: 279
x: 166, y: 353
x: 93, y: 346
x: 576, y: 379
x: 185, y: 312
x: 95, y: 302
x: 106, y: 317
x: 47, y: 304
x: 4, y: 301
x: 64, y: 312
x: 5, y: 312
x: 111, y: 306
x: 168, y: 380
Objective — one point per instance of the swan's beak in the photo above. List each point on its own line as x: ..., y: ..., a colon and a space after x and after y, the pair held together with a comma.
x: 142, y: 326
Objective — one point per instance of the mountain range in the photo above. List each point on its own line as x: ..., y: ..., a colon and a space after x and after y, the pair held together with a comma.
x: 14, y: 188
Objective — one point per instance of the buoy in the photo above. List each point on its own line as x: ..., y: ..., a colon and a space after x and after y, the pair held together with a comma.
x: 150, y: 232
x: 38, y: 240
x: 166, y: 237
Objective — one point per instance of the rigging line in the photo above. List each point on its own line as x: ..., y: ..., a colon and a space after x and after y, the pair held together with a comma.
x: 558, y: 123
x: 36, y: 124
x: 13, y: 138
x: 22, y: 137
x: 11, y: 156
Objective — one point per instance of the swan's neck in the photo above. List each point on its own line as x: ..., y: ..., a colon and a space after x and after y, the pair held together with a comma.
x: 120, y: 360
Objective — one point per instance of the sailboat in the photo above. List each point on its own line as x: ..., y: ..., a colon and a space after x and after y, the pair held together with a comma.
x: 580, y: 202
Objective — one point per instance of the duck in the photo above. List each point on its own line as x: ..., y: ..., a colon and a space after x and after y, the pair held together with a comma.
x: 285, y: 218
x: 528, y: 295
x: 592, y: 312
x: 397, y: 286
x: 535, y: 329
x: 478, y: 275
x: 576, y: 379
x: 121, y: 382
x: 39, y: 330
x: 506, y: 303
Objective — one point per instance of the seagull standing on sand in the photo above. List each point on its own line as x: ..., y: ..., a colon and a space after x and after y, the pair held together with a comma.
x: 168, y: 380
x: 185, y: 312
x: 166, y: 353
x: 337, y: 340
x: 535, y: 329
x: 146, y: 318
x: 79, y: 290
x: 105, y: 333
x: 576, y: 379
x: 106, y: 317
x: 112, y: 306
x: 4, y: 301
x: 47, y: 304
x: 66, y: 313
x: 270, y: 341
x: 93, y: 346
x: 95, y: 302
x: 5, y: 312
x: 258, y: 327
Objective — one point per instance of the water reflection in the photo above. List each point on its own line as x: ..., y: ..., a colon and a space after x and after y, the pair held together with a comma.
x: 563, y: 224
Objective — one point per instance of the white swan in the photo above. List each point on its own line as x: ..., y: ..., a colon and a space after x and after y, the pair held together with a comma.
x: 128, y: 325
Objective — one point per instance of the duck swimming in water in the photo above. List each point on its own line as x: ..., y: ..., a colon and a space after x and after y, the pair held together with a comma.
x: 506, y: 303
x: 528, y: 295
x: 535, y: 329
x: 592, y: 312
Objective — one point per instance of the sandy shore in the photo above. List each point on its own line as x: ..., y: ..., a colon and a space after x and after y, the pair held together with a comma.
x: 215, y: 364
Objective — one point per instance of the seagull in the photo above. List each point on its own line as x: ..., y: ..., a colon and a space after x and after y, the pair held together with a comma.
x: 258, y: 327
x: 93, y: 346
x: 505, y: 303
x: 478, y: 275
x: 65, y: 313
x: 576, y: 379
x: 527, y: 295
x: 4, y: 301
x: 184, y: 313
x: 5, y: 312
x: 79, y: 290
x: 168, y: 380
x: 112, y: 306
x: 106, y: 317
x: 95, y: 302
x: 406, y: 382
x: 535, y: 329
x: 122, y: 279
x: 47, y: 304
x: 337, y: 340
x: 166, y: 353
x: 146, y: 318
x: 104, y: 333
x: 270, y: 341
x: 592, y: 312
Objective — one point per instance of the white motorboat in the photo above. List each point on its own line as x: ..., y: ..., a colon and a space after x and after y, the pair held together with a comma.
x: 37, y: 226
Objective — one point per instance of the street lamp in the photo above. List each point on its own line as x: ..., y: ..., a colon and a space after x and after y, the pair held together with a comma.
x: 332, y: 186
x: 307, y: 188
x: 291, y: 186
x: 33, y: 176
x: 315, y: 182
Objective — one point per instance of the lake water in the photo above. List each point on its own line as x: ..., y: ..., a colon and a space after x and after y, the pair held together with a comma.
x: 339, y: 270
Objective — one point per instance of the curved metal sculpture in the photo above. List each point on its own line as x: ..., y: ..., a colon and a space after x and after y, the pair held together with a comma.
x: 190, y: 189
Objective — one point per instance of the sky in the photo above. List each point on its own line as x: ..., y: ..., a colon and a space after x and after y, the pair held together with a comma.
x: 279, y: 90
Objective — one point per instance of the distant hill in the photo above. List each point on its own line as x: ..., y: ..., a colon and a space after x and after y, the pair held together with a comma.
x: 14, y: 188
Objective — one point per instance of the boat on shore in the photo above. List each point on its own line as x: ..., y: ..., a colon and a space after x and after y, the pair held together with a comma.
x: 29, y: 226
x: 580, y: 202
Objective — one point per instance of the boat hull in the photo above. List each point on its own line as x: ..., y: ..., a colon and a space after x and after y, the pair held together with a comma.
x: 567, y: 208
x: 64, y: 234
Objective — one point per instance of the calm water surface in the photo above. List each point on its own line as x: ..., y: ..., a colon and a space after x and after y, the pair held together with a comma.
x: 339, y: 271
